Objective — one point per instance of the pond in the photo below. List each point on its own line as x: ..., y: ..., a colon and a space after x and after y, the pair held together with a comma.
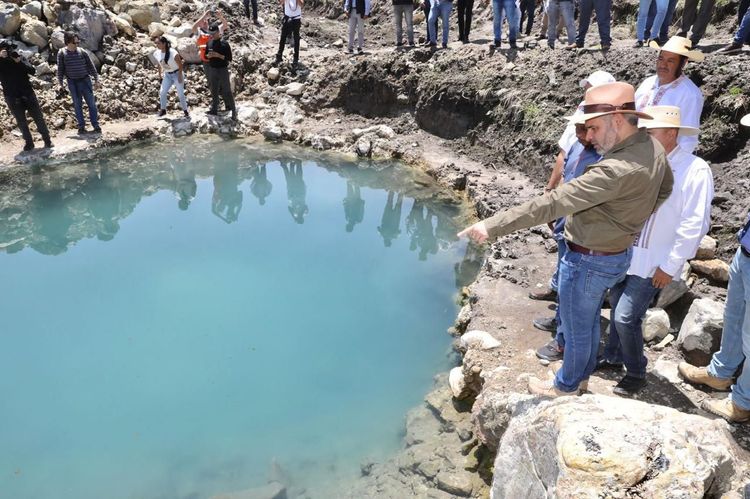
x: 191, y: 318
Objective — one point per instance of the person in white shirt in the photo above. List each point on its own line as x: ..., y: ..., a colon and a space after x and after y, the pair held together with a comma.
x: 290, y: 25
x: 670, y: 87
x: 357, y: 11
x: 169, y: 63
x: 670, y: 237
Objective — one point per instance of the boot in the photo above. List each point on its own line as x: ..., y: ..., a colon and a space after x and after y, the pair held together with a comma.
x: 727, y: 410
x: 547, y: 389
x: 701, y: 376
x: 546, y: 294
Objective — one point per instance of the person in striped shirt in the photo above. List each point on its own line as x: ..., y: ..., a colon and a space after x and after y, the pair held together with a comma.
x: 75, y: 64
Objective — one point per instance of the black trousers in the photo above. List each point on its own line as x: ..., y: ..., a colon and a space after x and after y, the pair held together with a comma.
x: 28, y: 102
x: 247, y: 3
x: 426, y: 9
x: 464, y: 18
x: 527, y: 12
x: 218, y: 83
x: 289, y: 27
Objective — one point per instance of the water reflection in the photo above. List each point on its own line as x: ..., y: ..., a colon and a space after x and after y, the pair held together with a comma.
x: 51, y: 210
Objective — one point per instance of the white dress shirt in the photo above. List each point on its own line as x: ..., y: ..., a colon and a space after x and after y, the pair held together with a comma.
x: 672, y: 235
x: 681, y: 93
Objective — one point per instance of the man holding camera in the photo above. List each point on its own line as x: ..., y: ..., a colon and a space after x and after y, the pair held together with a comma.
x: 19, y: 95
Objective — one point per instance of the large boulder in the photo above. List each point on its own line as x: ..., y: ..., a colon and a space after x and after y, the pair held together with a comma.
x: 33, y: 9
x: 700, y: 334
x: 35, y: 33
x: 57, y: 39
x: 707, y: 249
x: 716, y: 270
x: 10, y: 18
x: 143, y: 13
x: 675, y: 289
x: 655, y: 324
x: 598, y: 446
x: 188, y: 50
x: 91, y: 26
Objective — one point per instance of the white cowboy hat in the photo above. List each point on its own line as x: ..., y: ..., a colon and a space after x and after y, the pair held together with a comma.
x: 611, y: 98
x: 680, y: 46
x: 597, y: 78
x: 666, y: 117
x: 745, y: 121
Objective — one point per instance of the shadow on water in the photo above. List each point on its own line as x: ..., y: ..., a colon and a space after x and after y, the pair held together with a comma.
x: 50, y: 210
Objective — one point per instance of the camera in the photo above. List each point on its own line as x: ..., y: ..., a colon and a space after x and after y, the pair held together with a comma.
x: 11, y: 47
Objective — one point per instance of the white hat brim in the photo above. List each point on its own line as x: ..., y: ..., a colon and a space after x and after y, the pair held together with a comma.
x: 692, y: 55
x: 583, y: 118
x: 683, y: 130
x: 745, y: 121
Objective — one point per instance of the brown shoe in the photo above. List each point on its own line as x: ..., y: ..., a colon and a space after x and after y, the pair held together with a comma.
x: 547, y: 294
x: 583, y: 386
x: 547, y: 388
x: 701, y: 376
x: 727, y: 410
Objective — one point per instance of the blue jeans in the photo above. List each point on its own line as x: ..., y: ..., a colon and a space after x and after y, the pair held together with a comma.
x: 442, y: 9
x: 584, y: 280
x: 603, y: 10
x: 511, y: 12
x: 663, y: 34
x: 661, y: 13
x: 735, y: 339
x: 83, y: 90
x: 630, y: 300
x: 564, y: 8
x: 562, y: 248
x: 167, y: 82
x: 743, y: 33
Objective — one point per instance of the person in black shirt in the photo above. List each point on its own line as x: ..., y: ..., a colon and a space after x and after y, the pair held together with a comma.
x: 20, y: 96
x: 219, y: 54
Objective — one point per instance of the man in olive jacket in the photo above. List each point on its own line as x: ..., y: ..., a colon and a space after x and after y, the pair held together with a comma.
x: 606, y: 207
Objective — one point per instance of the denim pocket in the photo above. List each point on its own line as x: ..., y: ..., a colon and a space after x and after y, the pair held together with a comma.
x: 597, y: 283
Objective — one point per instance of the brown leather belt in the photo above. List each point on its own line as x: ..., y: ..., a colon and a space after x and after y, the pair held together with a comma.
x: 586, y: 251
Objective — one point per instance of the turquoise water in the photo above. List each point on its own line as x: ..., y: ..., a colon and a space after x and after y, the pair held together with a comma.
x: 182, y: 320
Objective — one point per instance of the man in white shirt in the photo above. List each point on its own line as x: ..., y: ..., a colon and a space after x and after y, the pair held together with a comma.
x: 670, y: 87
x: 670, y: 237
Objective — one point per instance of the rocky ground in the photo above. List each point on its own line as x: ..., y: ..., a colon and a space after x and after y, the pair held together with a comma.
x: 480, y: 121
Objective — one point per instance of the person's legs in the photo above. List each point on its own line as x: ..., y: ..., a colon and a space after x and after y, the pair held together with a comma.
x: 743, y: 33
x: 584, y: 280
x: 226, y: 90
x: 461, y: 16
x: 213, y: 86
x: 567, y: 12
x: 664, y: 31
x: 361, y: 31
x: 296, y: 24
x: 603, y: 9
x: 552, y: 13
x: 255, y: 10
x: 584, y: 19
x: 613, y: 349
x: 409, y: 12
x: 640, y: 25
x: 88, y: 96
x: 180, y: 92
x: 285, y: 30
x: 398, y: 17
x: 701, y: 22
x: 497, y: 21
x: 432, y: 23
x: 445, y: 14
x: 32, y: 104
x: 18, y: 110
x: 246, y: 4
x: 627, y: 318
x: 426, y: 8
x: 469, y: 14
x: 75, y: 94
x: 352, y: 26
x: 511, y: 10
x: 166, y: 82
x: 688, y: 15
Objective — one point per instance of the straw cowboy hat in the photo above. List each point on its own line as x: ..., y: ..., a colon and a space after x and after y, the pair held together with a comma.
x: 666, y: 117
x: 610, y: 98
x: 680, y: 46
x: 745, y: 121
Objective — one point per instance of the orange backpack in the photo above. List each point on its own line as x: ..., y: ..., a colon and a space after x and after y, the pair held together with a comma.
x: 203, y: 39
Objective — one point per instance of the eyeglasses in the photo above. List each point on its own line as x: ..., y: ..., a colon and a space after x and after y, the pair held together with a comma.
x: 608, y: 108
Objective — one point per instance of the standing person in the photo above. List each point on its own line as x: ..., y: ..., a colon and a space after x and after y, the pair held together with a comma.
x: 741, y: 37
x: 404, y: 9
x: 254, y: 3
x: 606, y: 208
x: 655, y: 26
x: 20, y: 96
x: 670, y: 87
x: 566, y: 9
x: 75, y: 64
x: 670, y: 238
x: 508, y: 9
x: 201, y: 29
x: 357, y: 11
x: 219, y: 54
x: 290, y: 25
x: 171, y: 73
x: 695, y: 20
x: 527, y: 12
x: 663, y: 35
x: 464, y: 13
x: 603, y: 10
x: 439, y: 9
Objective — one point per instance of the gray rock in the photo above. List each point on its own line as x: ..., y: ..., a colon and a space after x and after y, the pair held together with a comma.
x: 91, y: 25
x: 188, y: 50
x: 675, y: 289
x: 707, y: 249
x: 295, y: 89
x: 143, y: 13
x: 35, y: 33
x: 324, y: 142
x: 598, y: 446
x: 33, y: 9
x: 716, y: 270
x: 700, y: 334
x: 273, y: 74
x: 459, y: 484
x: 57, y: 39
x: 10, y: 18
x: 655, y: 324
x: 130, y: 67
x: 363, y: 147
x: 271, y: 131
